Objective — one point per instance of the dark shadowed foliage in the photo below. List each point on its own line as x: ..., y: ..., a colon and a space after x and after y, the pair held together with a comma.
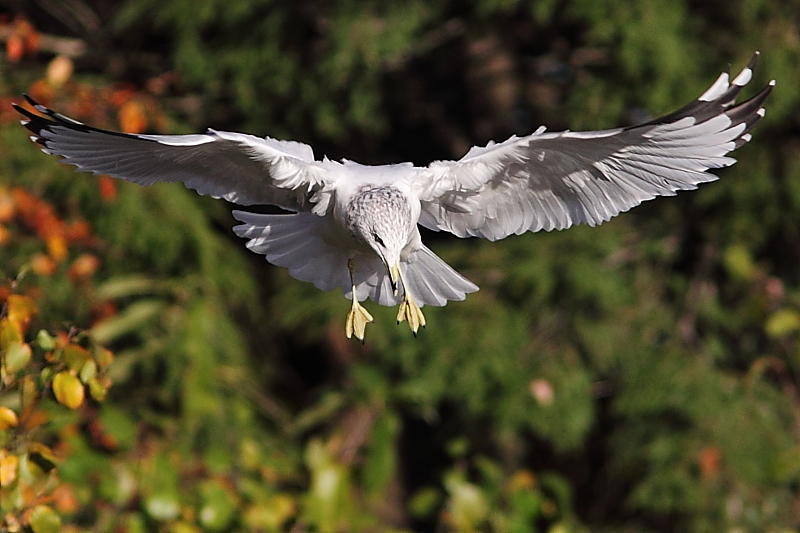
x: 640, y: 376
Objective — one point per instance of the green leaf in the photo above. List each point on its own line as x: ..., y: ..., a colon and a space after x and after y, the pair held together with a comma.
x: 96, y: 389
x: 45, y: 341
x: 162, y: 506
x: 424, y: 502
x: 782, y: 323
x: 135, y: 316
x: 379, y: 463
x: 88, y: 371
x: 17, y: 356
x: 45, y: 520
x: 119, y: 425
x: 739, y: 262
x: 75, y: 357
x: 218, y: 506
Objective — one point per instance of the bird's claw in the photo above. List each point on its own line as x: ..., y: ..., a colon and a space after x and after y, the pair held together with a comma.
x: 410, y: 311
x: 357, y: 320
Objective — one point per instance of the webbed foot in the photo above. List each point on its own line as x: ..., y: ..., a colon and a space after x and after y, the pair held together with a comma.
x: 410, y: 311
x: 357, y: 320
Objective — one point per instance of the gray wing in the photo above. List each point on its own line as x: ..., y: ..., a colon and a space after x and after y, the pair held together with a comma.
x: 547, y: 181
x: 240, y: 168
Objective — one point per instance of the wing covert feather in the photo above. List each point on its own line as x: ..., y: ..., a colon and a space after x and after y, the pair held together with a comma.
x: 548, y: 181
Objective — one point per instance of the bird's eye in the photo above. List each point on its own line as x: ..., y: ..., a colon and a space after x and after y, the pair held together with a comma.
x: 378, y: 239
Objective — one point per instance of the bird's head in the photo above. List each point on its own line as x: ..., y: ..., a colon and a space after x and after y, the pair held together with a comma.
x: 380, y: 218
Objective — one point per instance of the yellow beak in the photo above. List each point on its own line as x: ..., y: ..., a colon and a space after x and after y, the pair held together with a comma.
x: 394, y: 275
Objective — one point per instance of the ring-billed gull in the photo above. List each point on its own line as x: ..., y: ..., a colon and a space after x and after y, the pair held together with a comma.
x: 354, y: 226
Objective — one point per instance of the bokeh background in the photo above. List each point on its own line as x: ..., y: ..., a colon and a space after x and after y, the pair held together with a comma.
x: 640, y: 376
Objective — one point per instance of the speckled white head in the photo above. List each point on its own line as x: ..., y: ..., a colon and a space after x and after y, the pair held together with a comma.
x: 380, y: 218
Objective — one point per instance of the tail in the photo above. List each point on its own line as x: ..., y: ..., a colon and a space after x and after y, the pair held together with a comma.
x: 296, y: 242
x: 432, y: 281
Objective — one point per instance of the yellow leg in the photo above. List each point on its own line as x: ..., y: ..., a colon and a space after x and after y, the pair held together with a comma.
x: 358, y: 317
x: 409, y: 310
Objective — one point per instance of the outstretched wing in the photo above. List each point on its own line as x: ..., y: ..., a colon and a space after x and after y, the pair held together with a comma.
x: 240, y: 168
x: 547, y: 181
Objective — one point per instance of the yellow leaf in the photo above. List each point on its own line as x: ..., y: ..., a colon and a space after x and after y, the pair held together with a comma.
x: 8, y: 469
x: 20, y: 309
x: 68, y: 390
x: 782, y: 323
x: 10, y: 333
x: 8, y: 418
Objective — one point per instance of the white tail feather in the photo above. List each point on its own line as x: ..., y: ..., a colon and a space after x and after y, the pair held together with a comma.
x: 431, y: 281
x: 296, y: 242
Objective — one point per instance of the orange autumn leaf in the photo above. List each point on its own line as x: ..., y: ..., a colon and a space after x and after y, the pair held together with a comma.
x: 41, y: 91
x: 108, y: 188
x: 709, y: 459
x: 7, y: 208
x: 24, y: 39
x: 57, y: 247
x: 64, y: 498
x: 5, y: 235
x: 121, y: 95
x: 83, y: 267
x: 15, y: 48
x: 132, y: 117
x: 37, y: 214
x: 78, y: 230
x: 43, y: 265
x: 32, y: 41
x: 34, y: 419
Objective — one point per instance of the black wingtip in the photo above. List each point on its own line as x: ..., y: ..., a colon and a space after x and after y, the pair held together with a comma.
x: 24, y: 112
x: 38, y: 107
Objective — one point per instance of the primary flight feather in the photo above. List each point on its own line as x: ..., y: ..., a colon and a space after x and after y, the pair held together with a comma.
x: 354, y: 226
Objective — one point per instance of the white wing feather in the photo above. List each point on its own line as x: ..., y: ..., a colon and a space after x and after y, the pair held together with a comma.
x: 240, y: 168
x: 547, y: 181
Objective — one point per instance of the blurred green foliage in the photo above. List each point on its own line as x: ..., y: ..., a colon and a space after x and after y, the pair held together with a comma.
x: 640, y: 376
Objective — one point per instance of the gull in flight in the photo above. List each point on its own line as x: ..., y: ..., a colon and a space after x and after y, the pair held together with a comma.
x: 355, y: 227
